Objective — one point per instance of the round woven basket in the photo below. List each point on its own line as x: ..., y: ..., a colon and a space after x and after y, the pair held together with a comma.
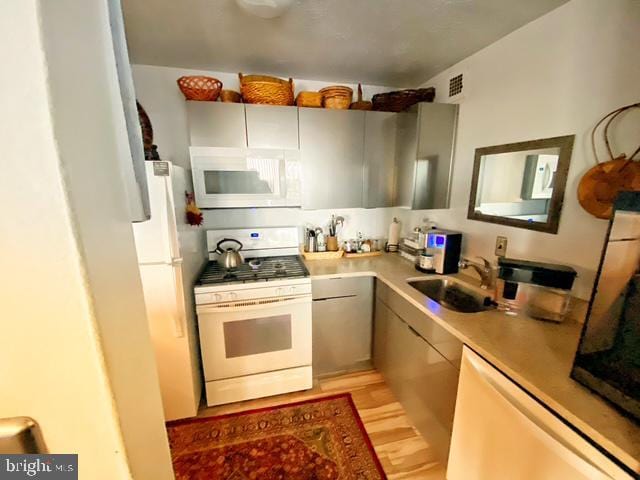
x: 337, y: 102
x: 230, y: 96
x: 266, y: 90
x: 200, y: 88
x: 309, y: 99
x: 336, y: 97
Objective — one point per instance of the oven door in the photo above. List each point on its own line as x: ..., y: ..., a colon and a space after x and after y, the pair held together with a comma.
x: 240, y: 177
x: 255, y: 336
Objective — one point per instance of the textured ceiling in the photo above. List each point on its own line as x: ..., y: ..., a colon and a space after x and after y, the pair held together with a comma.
x: 384, y: 42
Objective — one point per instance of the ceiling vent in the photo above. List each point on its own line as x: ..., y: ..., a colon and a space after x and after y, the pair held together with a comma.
x: 455, y: 86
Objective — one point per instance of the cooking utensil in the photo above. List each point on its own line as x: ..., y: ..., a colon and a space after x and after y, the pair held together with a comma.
x: 600, y: 186
x: 333, y: 225
x: 230, y: 257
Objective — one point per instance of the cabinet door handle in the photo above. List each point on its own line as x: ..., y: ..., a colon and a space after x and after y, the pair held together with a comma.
x: 414, y: 331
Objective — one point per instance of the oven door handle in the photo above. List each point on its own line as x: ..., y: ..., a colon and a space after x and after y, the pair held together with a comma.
x: 249, y: 305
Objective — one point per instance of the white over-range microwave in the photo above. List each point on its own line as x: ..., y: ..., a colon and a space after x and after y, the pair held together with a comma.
x: 246, y: 177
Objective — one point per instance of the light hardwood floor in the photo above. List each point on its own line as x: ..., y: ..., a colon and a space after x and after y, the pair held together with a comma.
x: 404, y: 454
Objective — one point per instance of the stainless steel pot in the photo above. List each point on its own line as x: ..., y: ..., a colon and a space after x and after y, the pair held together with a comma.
x: 229, y: 257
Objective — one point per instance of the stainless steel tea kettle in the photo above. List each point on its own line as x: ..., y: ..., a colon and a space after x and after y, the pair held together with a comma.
x: 229, y: 257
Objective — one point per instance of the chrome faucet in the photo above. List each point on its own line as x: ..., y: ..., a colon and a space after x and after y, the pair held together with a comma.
x: 485, y: 271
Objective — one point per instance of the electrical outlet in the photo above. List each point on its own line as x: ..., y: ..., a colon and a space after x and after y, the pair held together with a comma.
x: 501, y: 246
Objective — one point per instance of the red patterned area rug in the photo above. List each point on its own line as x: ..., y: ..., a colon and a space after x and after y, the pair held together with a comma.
x: 319, y: 439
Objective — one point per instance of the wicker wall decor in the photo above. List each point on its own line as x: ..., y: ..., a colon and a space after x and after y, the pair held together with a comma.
x: 265, y: 89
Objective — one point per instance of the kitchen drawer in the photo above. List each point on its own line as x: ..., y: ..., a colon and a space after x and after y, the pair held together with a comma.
x: 444, y: 342
x: 342, y: 287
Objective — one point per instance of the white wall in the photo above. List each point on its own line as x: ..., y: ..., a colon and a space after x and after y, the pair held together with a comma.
x: 555, y: 76
x: 76, y: 353
x: 158, y: 93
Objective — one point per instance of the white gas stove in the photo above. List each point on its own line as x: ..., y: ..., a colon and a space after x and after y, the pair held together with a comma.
x: 255, y: 320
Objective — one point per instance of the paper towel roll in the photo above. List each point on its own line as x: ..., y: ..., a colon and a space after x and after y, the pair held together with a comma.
x: 394, y: 235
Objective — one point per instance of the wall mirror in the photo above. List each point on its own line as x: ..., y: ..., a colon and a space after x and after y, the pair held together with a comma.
x: 521, y: 184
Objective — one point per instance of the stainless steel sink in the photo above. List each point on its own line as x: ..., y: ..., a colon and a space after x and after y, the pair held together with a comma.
x: 453, y: 295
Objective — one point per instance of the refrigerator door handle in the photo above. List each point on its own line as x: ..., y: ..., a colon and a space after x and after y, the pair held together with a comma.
x: 179, y: 319
x: 172, y: 223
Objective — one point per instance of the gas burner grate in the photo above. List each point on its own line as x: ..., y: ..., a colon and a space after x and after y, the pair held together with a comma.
x: 270, y: 268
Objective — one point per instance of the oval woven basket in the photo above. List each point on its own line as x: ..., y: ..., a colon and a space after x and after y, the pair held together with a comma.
x: 200, y: 88
x: 266, y: 90
x: 309, y: 99
x: 402, y: 99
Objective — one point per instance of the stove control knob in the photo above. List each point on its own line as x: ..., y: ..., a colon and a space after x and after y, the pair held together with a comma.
x: 279, y: 291
x: 218, y: 297
x: 292, y: 289
x: 233, y: 296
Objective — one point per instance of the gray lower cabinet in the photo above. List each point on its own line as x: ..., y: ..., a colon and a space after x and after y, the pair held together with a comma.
x: 342, y: 324
x: 216, y: 124
x: 379, y: 159
x: 332, y: 153
x: 270, y: 126
x: 421, y: 378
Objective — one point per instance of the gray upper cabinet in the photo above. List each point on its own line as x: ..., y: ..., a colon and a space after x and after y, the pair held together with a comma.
x: 424, y: 152
x: 379, y: 159
x: 216, y: 124
x: 332, y: 152
x: 271, y: 126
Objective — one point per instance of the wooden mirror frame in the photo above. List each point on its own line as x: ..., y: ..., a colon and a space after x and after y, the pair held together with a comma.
x: 565, y: 144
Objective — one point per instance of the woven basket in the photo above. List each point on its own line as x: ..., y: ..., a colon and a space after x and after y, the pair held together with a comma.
x: 336, y: 90
x: 337, y: 102
x: 200, y: 88
x: 266, y: 90
x: 361, y: 104
x: 402, y: 99
x: 309, y: 99
x: 337, y: 97
x: 230, y: 96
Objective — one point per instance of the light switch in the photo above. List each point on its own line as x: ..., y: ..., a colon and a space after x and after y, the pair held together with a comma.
x: 501, y: 246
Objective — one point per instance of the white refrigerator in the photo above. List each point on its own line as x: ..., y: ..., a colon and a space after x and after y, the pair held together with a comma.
x: 171, y: 254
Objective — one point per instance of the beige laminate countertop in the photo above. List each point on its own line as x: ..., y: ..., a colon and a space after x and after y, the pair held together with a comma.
x: 536, y: 355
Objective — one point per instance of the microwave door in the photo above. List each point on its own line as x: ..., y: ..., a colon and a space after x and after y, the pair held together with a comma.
x: 239, y: 178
